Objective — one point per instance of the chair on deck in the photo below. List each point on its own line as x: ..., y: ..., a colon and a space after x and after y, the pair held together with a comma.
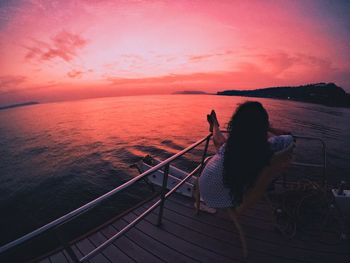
x: 278, y: 163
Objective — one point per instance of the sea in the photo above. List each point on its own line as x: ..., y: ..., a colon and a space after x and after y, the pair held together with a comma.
x: 55, y: 157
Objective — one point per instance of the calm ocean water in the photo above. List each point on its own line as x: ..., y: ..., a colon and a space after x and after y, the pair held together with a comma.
x: 55, y: 157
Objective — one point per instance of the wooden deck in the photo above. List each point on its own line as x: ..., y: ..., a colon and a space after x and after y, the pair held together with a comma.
x: 185, y: 237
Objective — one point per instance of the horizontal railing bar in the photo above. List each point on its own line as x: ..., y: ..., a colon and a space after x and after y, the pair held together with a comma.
x: 297, y: 137
x: 138, y: 219
x: 182, y: 181
x: 65, y: 218
x: 308, y: 138
x: 308, y: 164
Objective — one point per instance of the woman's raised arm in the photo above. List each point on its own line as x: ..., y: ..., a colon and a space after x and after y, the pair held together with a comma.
x: 218, y: 137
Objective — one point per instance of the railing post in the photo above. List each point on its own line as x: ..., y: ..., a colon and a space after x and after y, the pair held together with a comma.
x: 204, y: 154
x: 197, y: 196
x: 162, y: 194
x: 325, y: 181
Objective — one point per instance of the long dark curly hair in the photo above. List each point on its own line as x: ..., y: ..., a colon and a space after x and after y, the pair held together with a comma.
x: 247, y: 150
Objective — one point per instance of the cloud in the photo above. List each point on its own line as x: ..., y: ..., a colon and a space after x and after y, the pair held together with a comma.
x: 75, y: 74
x: 297, y: 66
x: 316, y: 62
x: 199, y: 58
x: 10, y: 82
x: 257, y: 70
x: 63, y: 45
x: 247, y: 76
x: 198, y: 78
x: 20, y: 84
x: 278, y: 62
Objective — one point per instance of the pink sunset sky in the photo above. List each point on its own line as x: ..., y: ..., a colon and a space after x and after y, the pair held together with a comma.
x: 64, y: 50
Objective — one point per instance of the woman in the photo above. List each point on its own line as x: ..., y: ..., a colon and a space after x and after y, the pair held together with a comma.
x: 242, y: 157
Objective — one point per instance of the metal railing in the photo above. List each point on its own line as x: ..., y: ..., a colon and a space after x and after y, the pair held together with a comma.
x: 322, y: 165
x: 56, y: 224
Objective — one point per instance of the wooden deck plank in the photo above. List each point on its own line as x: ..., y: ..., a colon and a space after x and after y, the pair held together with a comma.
x: 137, y: 253
x: 187, y: 248
x: 153, y: 245
x: 112, y: 252
x: 231, y: 249
x: 185, y: 237
x: 261, y: 213
x: 45, y: 260
x: 262, y: 248
x: 85, y: 246
x: 76, y: 251
x: 221, y: 217
x: 67, y: 256
x: 58, y: 258
x: 251, y: 229
x: 193, y: 237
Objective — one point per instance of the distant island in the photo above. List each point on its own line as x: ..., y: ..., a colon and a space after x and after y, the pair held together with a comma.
x: 19, y: 105
x: 328, y: 94
x: 190, y: 92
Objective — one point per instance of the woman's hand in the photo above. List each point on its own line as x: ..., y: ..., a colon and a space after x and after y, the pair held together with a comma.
x: 213, y: 121
x: 218, y: 138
